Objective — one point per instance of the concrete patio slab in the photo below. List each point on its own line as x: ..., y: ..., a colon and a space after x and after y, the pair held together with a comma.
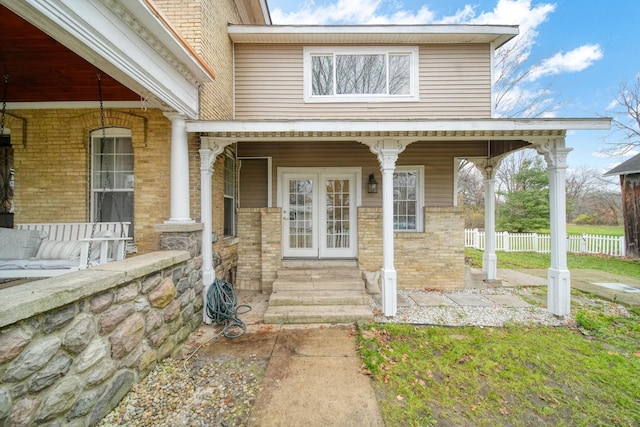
x: 403, y: 301
x: 431, y: 300
x: 508, y: 300
x: 470, y: 300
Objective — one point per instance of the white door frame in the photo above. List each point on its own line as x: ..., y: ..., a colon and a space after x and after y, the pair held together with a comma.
x: 319, y: 249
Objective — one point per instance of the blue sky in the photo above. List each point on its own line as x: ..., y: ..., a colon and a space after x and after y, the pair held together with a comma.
x: 584, y: 48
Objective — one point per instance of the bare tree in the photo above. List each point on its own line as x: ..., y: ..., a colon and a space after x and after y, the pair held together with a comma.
x: 629, y: 112
x: 511, y: 72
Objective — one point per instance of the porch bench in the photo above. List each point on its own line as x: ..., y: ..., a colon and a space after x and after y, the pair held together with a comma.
x: 45, y: 250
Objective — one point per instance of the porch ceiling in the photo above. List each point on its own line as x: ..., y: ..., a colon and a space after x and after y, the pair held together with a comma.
x: 51, y: 50
x: 41, y: 69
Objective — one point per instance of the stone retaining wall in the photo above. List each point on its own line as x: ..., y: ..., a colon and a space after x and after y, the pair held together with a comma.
x: 72, y: 346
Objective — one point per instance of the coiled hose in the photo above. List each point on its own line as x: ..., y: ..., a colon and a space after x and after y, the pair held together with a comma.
x: 222, y: 308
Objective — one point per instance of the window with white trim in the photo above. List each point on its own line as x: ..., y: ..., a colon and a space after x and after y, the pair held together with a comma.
x: 229, y: 194
x: 112, y: 177
x: 357, y: 74
x: 407, y: 198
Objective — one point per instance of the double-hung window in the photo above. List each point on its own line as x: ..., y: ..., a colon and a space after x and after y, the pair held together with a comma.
x: 112, y: 176
x: 348, y: 74
x: 407, y: 198
x: 229, y: 194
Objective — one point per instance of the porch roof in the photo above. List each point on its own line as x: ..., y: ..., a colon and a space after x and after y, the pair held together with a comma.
x: 449, y: 130
x: 373, y: 34
x: 131, y: 42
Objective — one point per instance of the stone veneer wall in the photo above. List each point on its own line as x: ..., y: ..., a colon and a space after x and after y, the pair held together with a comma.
x: 72, y: 346
x: 432, y: 259
x: 259, y: 248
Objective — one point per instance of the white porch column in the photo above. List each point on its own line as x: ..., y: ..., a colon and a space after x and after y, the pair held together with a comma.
x: 179, y: 193
x: 489, y: 258
x: 558, y: 276
x: 208, y: 154
x: 387, y: 151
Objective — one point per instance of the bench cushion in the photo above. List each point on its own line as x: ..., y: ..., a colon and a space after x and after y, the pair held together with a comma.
x: 19, y: 244
x: 38, y: 264
x: 58, y: 249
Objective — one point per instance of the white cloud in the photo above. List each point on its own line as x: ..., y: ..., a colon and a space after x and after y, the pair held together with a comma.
x: 573, y: 61
x: 621, y: 151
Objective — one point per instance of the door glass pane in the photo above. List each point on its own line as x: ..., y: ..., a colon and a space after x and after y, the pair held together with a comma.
x: 337, y: 223
x: 301, y: 213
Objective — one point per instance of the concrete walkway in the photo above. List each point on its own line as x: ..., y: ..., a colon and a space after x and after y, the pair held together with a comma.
x: 313, y: 375
x: 611, y: 287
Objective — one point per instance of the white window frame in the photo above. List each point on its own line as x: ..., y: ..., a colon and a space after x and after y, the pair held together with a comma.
x: 311, y: 51
x: 419, y: 170
x: 229, y: 155
x: 95, y: 139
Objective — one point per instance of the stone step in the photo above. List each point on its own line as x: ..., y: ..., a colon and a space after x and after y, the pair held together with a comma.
x: 307, y: 298
x: 318, y: 314
x: 320, y: 273
x: 319, y: 263
x: 322, y: 284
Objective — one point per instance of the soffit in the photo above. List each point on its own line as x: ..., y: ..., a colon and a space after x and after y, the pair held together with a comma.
x: 373, y: 34
x: 253, y: 11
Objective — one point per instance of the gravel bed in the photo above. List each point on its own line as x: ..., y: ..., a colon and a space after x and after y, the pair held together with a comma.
x: 493, y: 314
x: 203, y: 391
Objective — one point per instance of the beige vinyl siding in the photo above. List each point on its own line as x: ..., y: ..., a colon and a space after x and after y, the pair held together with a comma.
x: 455, y: 82
x: 253, y: 183
x: 437, y: 158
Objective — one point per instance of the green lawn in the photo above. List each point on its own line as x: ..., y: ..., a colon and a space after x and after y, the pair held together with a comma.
x: 524, y: 260
x: 587, y: 374
x: 516, y: 376
x: 597, y: 230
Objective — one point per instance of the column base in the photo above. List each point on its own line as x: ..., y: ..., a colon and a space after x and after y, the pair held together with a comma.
x: 490, y: 265
x: 179, y: 221
x: 559, y: 292
x: 389, y: 292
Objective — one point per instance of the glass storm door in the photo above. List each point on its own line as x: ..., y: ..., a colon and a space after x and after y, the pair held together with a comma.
x: 319, y: 215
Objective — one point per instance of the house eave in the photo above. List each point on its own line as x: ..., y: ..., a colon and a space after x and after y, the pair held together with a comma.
x: 480, y: 129
x: 127, y: 40
x: 372, y: 34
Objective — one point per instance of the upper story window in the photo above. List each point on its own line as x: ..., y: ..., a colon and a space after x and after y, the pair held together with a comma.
x: 347, y: 74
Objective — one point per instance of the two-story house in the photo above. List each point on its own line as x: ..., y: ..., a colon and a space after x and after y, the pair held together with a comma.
x: 279, y: 142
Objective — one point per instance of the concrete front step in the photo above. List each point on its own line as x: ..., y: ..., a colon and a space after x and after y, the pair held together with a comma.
x: 322, y: 284
x: 318, y: 291
x: 297, y: 297
x: 318, y: 273
x: 318, y: 314
x: 319, y: 263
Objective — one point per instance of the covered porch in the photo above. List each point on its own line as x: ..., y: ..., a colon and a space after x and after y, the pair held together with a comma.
x: 392, y: 145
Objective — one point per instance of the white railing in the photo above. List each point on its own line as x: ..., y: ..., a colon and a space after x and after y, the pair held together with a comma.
x: 534, y: 242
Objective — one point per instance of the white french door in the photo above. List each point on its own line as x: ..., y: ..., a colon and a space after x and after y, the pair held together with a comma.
x: 319, y: 212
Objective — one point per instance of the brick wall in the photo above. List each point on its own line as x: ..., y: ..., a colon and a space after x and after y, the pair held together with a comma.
x: 52, y: 167
x: 200, y: 20
x: 433, y: 259
x: 249, y: 249
x: 259, y: 247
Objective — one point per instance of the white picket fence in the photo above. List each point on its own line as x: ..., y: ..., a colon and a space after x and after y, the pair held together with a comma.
x: 534, y: 242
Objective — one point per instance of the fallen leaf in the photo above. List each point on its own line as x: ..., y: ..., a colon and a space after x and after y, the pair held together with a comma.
x: 405, y: 357
x: 474, y: 407
x: 399, y: 397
